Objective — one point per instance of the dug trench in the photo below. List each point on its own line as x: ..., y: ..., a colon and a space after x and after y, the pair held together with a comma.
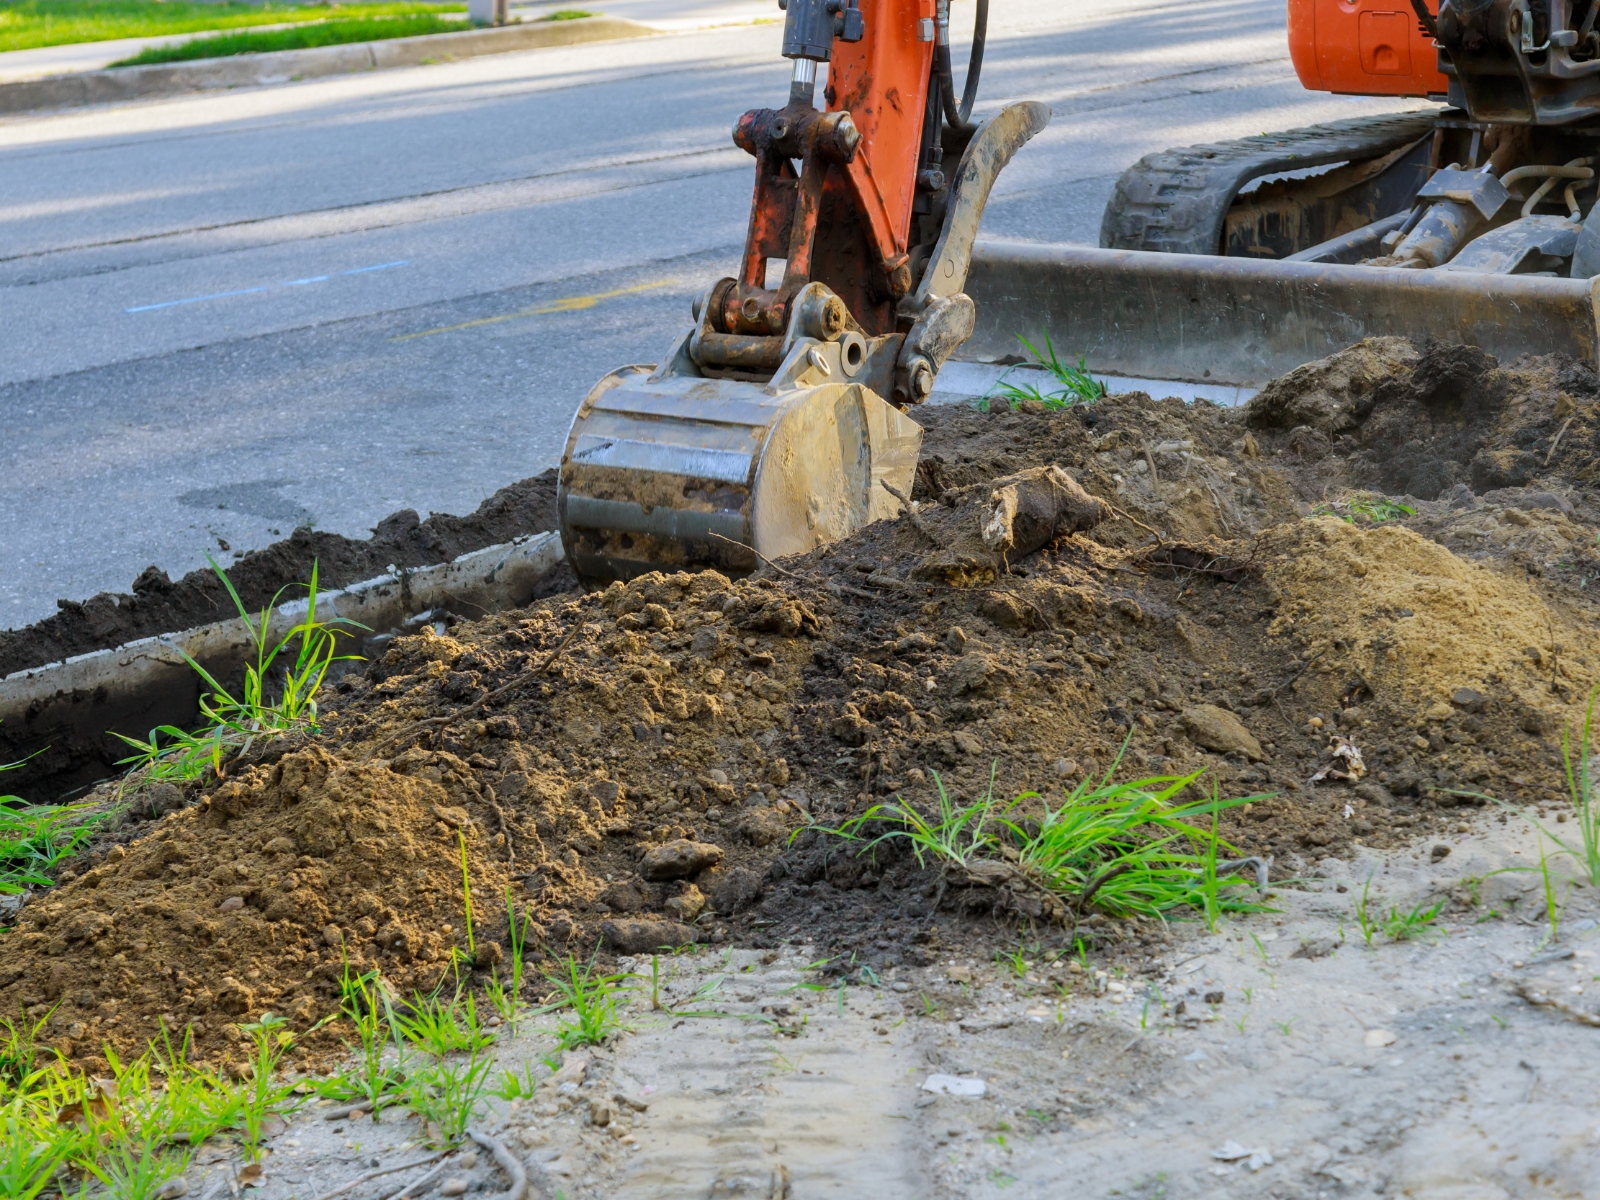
x: 155, y: 604
x: 1362, y: 595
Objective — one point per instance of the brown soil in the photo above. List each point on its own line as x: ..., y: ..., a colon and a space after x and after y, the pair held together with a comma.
x: 1450, y: 647
x: 156, y: 604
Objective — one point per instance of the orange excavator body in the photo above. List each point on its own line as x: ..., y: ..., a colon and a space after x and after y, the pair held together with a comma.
x: 1363, y: 48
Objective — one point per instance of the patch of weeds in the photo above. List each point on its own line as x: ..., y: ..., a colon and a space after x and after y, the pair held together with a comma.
x: 34, y: 1148
x: 439, y: 1027
x: 35, y: 838
x: 135, y: 1169
x: 1370, y: 508
x: 1364, y: 918
x: 448, y: 1093
x: 1074, y: 384
x: 1285, y: 1027
x: 591, y: 998
x: 1403, y: 926
x: 19, y: 1049
x: 233, y: 724
x: 1016, y: 961
x: 1125, y: 849
x: 263, y: 1094
x: 364, y: 1004
x: 517, y: 1087
x: 506, y: 997
x: 1552, y: 911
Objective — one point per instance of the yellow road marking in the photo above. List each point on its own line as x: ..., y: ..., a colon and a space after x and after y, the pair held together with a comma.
x: 566, y: 304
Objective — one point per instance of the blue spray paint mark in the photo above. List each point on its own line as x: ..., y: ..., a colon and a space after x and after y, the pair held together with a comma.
x: 267, y: 287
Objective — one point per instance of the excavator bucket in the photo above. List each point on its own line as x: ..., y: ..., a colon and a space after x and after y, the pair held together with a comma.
x: 668, y: 471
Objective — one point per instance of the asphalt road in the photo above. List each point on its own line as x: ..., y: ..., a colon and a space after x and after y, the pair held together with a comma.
x: 225, y: 315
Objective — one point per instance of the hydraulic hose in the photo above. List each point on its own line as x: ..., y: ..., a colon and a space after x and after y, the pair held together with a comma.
x: 1428, y: 21
x: 959, y: 115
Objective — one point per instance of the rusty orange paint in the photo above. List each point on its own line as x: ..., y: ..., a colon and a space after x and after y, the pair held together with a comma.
x: 890, y: 120
x: 1363, y: 48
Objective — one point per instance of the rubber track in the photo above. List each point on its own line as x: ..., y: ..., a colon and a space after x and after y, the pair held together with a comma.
x: 1175, y: 201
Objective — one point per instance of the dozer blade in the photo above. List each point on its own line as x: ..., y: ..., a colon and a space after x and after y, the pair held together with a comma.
x: 671, y: 471
x: 1206, y: 319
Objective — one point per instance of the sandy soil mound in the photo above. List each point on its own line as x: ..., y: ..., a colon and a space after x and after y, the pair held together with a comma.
x: 630, y: 764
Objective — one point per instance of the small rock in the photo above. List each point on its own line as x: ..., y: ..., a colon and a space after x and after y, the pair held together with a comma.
x: 504, y: 727
x: 1378, y: 1038
x: 762, y: 826
x: 913, y: 642
x: 733, y: 889
x: 966, y: 743
x: 332, y: 935
x: 172, y: 1189
x: 165, y: 798
x: 456, y: 1185
x: 1468, y: 699
x: 1218, y: 729
x: 606, y: 793
x: 231, y: 904
x: 280, y: 845
x: 1438, y: 852
x: 456, y: 818
x: 115, y: 854
x: 716, y: 775
x: 970, y: 673
x: 1215, y: 997
x: 955, y: 639
x: 646, y: 937
x: 686, y: 905
x: 954, y: 1085
x: 602, y: 1113
x: 1066, y: 768
x: 1317, y: 948
x: 679, y: 859
x: 625, y: 896
x: 489, y: 953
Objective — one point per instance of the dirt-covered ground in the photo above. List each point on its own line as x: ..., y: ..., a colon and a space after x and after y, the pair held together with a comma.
x: 630, y: 765
x: 1281, y: 1058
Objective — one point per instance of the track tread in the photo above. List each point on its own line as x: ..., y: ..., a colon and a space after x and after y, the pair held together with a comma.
x: 1175, y: 201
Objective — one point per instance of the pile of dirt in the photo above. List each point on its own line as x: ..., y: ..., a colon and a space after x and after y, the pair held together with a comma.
x: 629, y: 766
x: 156, y: 604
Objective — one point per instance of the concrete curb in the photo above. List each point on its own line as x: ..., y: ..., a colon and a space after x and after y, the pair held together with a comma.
x: 282, y: 66
x: 70, y: 705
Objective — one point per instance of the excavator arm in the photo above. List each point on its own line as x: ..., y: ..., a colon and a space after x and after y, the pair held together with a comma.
x: 778, y: 421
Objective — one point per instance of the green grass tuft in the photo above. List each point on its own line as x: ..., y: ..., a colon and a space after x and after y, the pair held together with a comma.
x: 592, y: 999
x: 301, y: 37
x: 30, y: 24
x: 1376, y: 509
x: 1074, y: 383
x: 1125, y: 849
x: 232, y: 725
x: 35, y: 838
